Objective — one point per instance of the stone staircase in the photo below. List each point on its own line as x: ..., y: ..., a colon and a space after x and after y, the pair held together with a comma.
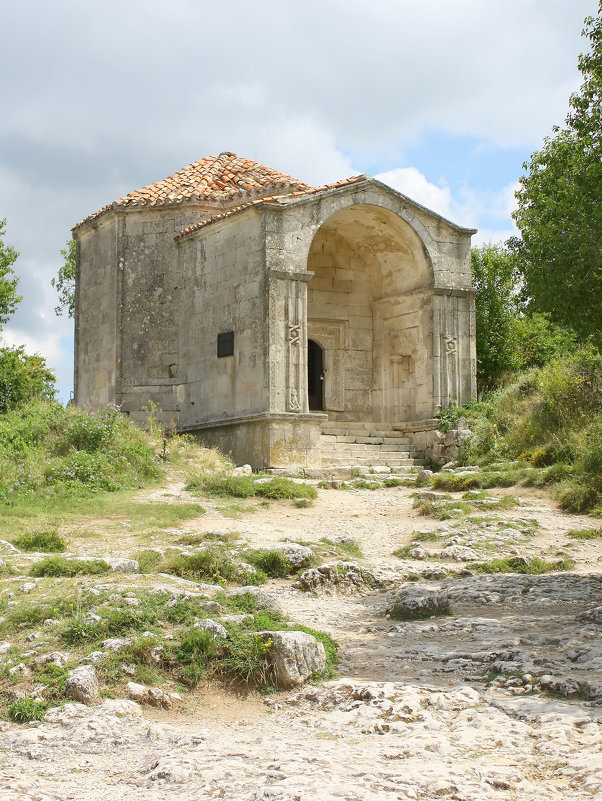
x: 365, y: 445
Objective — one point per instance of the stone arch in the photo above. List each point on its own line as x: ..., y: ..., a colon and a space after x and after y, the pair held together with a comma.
x: 367, y: 304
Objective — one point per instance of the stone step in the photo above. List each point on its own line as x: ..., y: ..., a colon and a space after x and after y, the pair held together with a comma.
x: 351, y: 451
x: 397, y: 461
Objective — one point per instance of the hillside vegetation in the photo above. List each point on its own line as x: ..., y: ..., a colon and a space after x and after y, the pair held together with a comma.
x: 548, y: 422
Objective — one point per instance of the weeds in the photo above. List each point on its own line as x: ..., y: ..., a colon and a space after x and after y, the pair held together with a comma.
x: 59, y: 566
x: 273, y: 563
x: 585, y: 533
x: 25, y: 710
x: 46, y: 541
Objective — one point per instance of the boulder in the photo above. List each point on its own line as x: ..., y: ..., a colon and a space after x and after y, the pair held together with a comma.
x: 459, y: 553
x: 297, y: 555
x: 293, y: 656
x: 416, y: 603
x: 216, y: 629
x: 82, y: 684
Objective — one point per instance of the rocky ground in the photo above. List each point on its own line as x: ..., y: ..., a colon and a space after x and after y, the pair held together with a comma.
x: 498, y: 698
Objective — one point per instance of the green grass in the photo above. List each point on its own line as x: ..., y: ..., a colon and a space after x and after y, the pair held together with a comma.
x: 25, y: 710
x: 425, y: 536
x: 272, y: 562
x: 45, y: 541
x: 59, y: 566
x: 214, y: 565
x: 514, y: 564
x: 220, y: 485
x: 585, y: 533
x: 347, y: 548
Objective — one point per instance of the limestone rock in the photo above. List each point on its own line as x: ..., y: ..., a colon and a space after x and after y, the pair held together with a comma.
x: 153, y: 696
x: 345, y: 577
x: 293, y: 656
x: 298, y: 555
x: 216, y: 629
x: 459, y: 553
x: 82, y: 684
x: 120, y: 565
x: 418, y: 603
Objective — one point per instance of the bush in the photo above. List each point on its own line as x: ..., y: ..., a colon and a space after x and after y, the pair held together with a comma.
x: 58, y: 566
x: 25, y: 709
x: 56, y: 450
x: 23, y: 378
x: 223, y: 485
x: 213, y: 565
x: 517, y: 564
x: 48, y: 541
x: 273, y: 563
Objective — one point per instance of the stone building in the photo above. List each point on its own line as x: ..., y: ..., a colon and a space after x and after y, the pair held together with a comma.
x: 284, y: 323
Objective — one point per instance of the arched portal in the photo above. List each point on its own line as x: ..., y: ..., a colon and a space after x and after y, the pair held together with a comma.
x: 368, y: 305
x: 315, y: 376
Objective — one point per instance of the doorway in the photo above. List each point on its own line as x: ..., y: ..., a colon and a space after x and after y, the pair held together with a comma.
x: 315, y: 376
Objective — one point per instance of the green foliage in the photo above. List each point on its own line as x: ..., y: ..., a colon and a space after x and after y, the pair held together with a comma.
x: 194, y: 650
x: 8, y: 280
x: 50, y: 449
x: 536, y: 340
x: 281, y: 488
x: 245, y: 657
x: 59, y: 566
x: 64, y: 283
x: 549, y: 417
x: 213, y: 565
x: 585, y: 533
x: 273, y: 563
x: 494, y: 277
x: 224, y: 485
x: 25, y: 710
x: 23, y: 378
x: 48, y: 541
x: 559, y: 212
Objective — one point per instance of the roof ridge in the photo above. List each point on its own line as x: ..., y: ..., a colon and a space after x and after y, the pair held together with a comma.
x: 213, y: 179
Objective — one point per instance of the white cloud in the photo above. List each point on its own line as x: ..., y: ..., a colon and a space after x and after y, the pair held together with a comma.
x: 468, y: 207
x: 413, y: 183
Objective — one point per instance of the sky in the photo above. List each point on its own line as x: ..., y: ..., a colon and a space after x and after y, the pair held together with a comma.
x: 442, y: 99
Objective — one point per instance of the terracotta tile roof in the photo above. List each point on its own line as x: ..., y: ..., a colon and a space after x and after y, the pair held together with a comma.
x: 215, y: 179
x: 312, y: 190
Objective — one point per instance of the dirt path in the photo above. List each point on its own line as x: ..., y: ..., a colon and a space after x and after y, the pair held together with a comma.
x: 418, y: 712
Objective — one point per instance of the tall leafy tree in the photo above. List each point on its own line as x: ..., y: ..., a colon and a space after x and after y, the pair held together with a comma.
x: 8, y: 280
x: 495, y: 280
x: 559, y: 211
x: 64, y: 283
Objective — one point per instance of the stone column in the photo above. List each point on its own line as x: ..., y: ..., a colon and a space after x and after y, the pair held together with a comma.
x: 288, y: 341
x: 454, y: 355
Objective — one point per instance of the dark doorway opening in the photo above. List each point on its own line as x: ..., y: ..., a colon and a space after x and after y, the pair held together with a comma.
x: 315, y: 376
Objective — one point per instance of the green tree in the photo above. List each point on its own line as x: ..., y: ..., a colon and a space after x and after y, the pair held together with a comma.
x: 23, y: 378
x: 495, y: 280
x: 64, y: 283
x: 559, y: 211
x: 8, y: 280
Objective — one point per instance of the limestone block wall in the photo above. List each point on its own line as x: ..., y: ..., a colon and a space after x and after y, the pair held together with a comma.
x: 151, y: 290
x: 225, y: 290
x: 96, y: 316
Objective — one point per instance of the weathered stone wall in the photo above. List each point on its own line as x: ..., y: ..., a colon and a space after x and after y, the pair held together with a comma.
x: 96, y: 316
x: 224, y: 290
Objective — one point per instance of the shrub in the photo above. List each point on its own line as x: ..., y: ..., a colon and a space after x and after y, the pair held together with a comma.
x: 585, y: 533
x: 57, y: 450
x: 58, y: 566
x: 48, y: 541
x: 23, y: 378
x: 281, y: 488
x: 273, y: 563
x: 212, y: 564
x: 25, y: 709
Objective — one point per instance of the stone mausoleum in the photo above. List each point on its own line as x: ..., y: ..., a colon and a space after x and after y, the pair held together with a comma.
x: 284, y: 323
